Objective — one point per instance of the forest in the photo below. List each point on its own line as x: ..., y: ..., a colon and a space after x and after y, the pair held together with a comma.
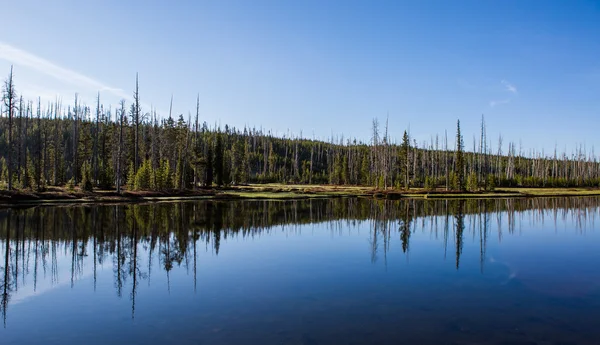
x: 130, y: 148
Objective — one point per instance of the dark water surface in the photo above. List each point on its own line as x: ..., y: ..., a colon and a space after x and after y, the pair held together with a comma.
x: 340, y: 271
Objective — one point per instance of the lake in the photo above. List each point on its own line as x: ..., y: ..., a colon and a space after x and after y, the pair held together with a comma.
x: 322, y: 271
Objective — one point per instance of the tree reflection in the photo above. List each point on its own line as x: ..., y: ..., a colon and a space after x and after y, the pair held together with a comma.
x: 459, y: 223
x: 132, y: 238
x: 6, y: 283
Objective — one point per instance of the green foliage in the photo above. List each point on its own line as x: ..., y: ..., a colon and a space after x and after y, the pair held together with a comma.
x: 209, y: 171
x: 56, y: 150
x: 365, y: 171
x: 429, y: 183
x: 218, y: 161
x: 143, y: 177
x: 3, y: 173
x: 71, y: 184
x: 380, y: 182
x: 86, y: 177
x: 227, y: 168
x: 105, y: 176
x: 131, y: 177
x: 238, y: 156
x: 472, y: 185
x: 404, y: 161
x: 163, y: 180
x: 178, y: 174
x: 345, y: 172
x: 453, y: 181
x: 460, y: 163
x: 32, y: 179
x: 490, y: 183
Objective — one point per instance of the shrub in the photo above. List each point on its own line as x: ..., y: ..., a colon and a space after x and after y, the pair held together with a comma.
x: 71, y: 185
x: 86, y: 177
x: 472, y: 182
x: 490, y: 184
x: 143, y: 178
x: 429, y: 183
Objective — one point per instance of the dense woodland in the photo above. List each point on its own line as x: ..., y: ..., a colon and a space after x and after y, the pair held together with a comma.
x: 93, y: 146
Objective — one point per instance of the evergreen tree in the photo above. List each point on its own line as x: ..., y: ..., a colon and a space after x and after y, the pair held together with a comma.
x: 55, y: 143
x: 131, y: 177
x: 404, y: 160
x: 86, y: 177
x: 472, y: 182
x: 237, y: 164
x: 460, y: 163
x: 365, y: 171
x: 490, y: 184
x: 345, y: 171
x: 143, y: 177
x: 209, y: 171
x: 3, y: 172
x: 218, y: 161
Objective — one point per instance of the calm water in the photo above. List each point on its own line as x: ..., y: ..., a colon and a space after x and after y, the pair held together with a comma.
x: 342, y: 271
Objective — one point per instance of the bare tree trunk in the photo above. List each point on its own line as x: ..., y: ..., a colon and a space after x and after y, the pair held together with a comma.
x: 120, y: 148
x: 196, y: 142
x: 38, y: 171
x: 136, y: 120
x: 9, y: 101
x: 56, y: 146
x: 75, y: 140
x: 95, y: 149
x: 446, y: 160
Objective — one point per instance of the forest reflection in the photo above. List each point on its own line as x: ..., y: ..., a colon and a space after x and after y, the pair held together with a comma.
x: 134, y: 239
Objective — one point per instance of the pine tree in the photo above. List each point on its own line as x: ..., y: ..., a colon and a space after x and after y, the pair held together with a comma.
x: 404, y: 160
x: 460, y: 164
x: 143, y: 176
x: 131, y: 178
x: 209, y: 173
x: 163, y: 177
x: 245, y: 163
x: 86, y: 177
x: 472, y: 182
x: 3, y: 172
x: 237, y: 164
x: 218, y: 161
x: 365, y: 171
x: 345, y: 172
x: 178, y: 177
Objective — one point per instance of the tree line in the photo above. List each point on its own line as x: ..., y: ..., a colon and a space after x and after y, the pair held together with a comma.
x: 99, y: 147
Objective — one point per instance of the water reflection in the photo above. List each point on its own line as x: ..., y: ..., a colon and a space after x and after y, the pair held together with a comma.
x: 43, y: 246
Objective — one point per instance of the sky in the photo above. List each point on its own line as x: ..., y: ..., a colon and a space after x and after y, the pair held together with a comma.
x: 325, y: 68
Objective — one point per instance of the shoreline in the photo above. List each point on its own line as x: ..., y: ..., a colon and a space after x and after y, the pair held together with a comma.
x: 61, y: 196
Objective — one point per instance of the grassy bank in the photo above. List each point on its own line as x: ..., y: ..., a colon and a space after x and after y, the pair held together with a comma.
x: 270, y: 191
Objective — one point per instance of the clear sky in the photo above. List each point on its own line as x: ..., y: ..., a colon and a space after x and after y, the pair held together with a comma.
x: 322, y: 67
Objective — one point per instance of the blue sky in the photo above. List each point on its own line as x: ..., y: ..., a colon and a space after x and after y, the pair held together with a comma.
x: 326, y: 67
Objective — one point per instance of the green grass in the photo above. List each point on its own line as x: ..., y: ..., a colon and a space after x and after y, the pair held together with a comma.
x: 276, y: 192
x: 267, y: 195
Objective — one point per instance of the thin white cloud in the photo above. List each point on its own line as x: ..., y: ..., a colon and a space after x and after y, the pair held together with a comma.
x: 22, y: 58
x: 495, y: 103
x: 509, y: 87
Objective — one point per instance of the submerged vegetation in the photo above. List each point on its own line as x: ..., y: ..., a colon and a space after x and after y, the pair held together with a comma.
x: 96, y: 147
